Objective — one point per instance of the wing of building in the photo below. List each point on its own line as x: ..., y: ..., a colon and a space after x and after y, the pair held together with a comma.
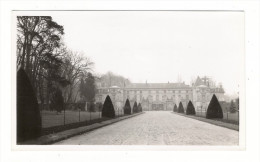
x: 162, y: 96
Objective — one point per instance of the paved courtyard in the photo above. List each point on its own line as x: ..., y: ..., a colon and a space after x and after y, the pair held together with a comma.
x: 157, y: 128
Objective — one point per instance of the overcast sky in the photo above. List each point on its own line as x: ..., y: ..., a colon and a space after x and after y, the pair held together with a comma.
x: 159, y: 46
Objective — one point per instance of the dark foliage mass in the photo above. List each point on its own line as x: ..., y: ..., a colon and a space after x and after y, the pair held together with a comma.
x: 214, y: 109
x: 57, y: 102
x: 232, y: 108
x: 99, y: 106
x: 180, y: 108
x: 88, y: 88
x: 127, y: 107
x: 135, y: 108
x: 28, y: 113
x: 108, y: 108
x: 175, y: 109
x: 91, y: 107
x: 190, y: 109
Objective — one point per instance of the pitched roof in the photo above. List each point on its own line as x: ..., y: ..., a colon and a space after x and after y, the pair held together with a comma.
x: 156, y: 85
x: 199, y: 81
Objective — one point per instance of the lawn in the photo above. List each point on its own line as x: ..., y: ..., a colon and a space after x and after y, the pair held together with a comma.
x: 229, y: 117
x: 52, y: 118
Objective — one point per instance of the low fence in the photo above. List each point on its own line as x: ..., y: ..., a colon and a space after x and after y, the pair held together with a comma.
x: 76, y: 114
x: 227, y: 116
x: 52, y: 118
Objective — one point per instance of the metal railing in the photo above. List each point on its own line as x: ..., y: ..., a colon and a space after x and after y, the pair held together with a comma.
x: 227, y: 116
x: 53, y: 118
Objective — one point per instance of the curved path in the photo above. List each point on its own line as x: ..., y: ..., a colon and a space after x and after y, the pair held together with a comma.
x: 157, y: 128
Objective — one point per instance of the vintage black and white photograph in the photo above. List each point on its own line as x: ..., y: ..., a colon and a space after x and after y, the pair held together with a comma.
x: 136, y: 77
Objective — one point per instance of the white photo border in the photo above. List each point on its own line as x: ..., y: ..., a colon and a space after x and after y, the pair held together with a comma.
x: 249, y: 151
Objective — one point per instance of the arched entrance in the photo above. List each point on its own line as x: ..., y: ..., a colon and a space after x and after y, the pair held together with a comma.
x: 157, y: 106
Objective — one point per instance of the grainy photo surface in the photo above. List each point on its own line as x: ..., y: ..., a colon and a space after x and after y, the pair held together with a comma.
x: 129, y: 77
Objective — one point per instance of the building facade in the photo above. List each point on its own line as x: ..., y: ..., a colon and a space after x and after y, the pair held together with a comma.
x: 162, y: 96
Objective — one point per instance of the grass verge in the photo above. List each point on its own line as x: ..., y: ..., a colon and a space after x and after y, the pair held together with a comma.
x: 217, y: 122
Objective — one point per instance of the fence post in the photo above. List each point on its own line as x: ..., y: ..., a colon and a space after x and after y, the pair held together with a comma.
x: 201, y: 112
x: 90, y: 115
x: 79, y: 115
x: 227, y: 115
x: 64, y: 114
x: 238, y: 116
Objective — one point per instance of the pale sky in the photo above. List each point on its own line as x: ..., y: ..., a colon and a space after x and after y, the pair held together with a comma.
x: 157, y: 46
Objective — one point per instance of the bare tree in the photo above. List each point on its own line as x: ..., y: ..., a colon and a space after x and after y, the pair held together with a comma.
x: 39, y: 52
x: 75, y: 67
x: 111, y: 79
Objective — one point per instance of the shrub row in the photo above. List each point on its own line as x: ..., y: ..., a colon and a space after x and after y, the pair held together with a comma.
x: 136, y: 108
x: 108, y: 108
x: 214, y: 109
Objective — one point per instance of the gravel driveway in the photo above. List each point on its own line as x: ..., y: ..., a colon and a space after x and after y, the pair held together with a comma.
x: 157, y: 128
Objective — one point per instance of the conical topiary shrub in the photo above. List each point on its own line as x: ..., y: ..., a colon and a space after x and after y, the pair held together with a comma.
x: 190, y: 109
x: 140, y: 107
x: 108, y: 108
x: 214, y: 109
x: 135, y: 108
x: 180, y: 108
x: 175, y: 109
x: 28, y: 113
x: 127, y: 107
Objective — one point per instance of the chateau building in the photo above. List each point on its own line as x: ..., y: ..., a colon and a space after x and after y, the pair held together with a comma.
x: 162, y: 96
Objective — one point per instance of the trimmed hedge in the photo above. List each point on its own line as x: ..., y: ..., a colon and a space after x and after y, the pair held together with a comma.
x: 190, y: 109
x: 214, y: 109
x: 127, y: 107
x: 108, y: 108
x: 180, y: 108
x: 28, y: 113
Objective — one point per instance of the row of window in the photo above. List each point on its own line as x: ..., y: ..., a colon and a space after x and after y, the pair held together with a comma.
x: 163, y: 97
x: 136, y: 91
x: 149, y: 91
x: 108, y: 90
